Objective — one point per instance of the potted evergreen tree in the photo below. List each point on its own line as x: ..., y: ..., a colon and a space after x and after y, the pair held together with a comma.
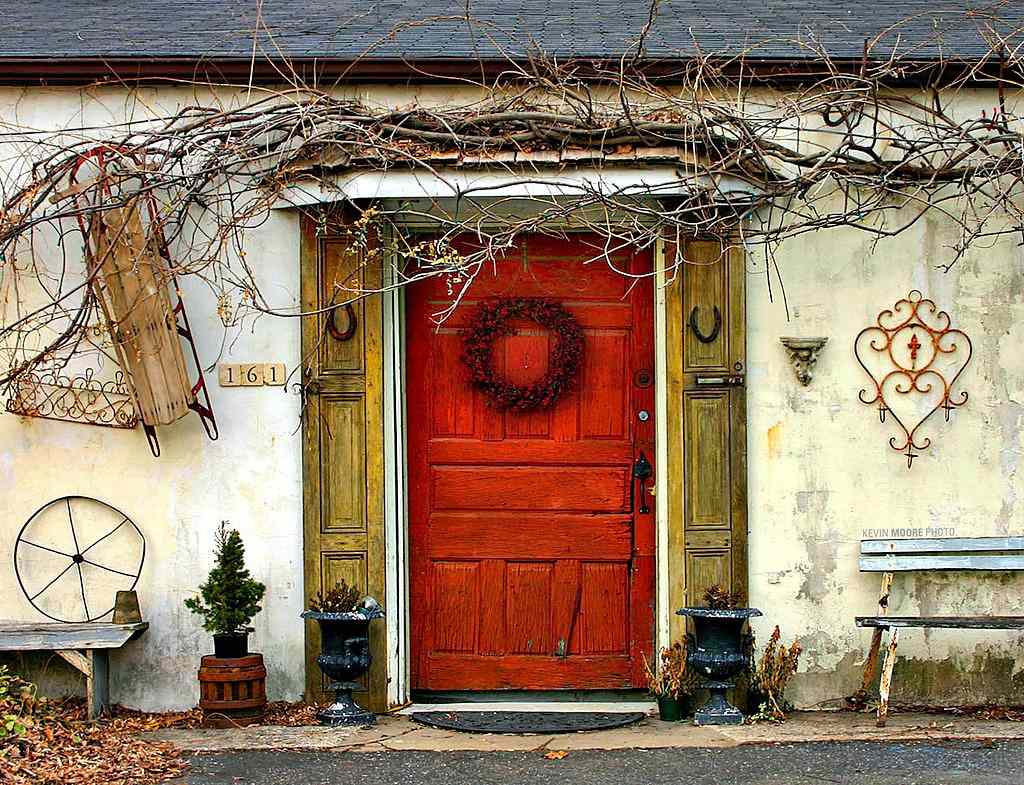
x: 229, y: 598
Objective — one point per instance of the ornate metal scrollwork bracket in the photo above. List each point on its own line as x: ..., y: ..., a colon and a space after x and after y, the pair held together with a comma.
x: 912, y: 353
x: 803, y: 355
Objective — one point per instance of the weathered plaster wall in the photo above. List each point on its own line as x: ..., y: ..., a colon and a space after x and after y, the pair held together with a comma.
x: 250, y: 477
x: 822, y: 473
x: 820, y: 468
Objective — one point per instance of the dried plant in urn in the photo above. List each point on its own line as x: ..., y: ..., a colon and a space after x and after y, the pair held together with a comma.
x: 344, y: 622
x: 716, y: 651
x: 772, y: 674
x: 340, y: 598
x: 719, y: 599
x: 670, y: 682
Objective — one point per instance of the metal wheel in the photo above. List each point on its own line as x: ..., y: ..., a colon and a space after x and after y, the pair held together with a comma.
x: 72, y: 556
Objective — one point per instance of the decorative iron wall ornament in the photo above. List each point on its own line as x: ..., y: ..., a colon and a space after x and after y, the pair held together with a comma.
x: 75, y: 399
x: 914, y: 358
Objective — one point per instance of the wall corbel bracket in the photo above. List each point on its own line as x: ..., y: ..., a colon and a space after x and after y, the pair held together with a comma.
x: 803, y: 354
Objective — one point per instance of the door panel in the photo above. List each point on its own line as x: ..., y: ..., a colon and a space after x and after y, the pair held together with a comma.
x: 706, y: 416
x: 343, y: 505
x: 530, y: 568
x: 706, y: 329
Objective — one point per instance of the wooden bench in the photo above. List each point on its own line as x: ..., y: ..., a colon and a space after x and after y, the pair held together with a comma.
x: 923, y: 555
x: 85, y: 646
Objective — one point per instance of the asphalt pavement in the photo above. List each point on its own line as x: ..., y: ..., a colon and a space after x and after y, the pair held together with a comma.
x: 916, y: 763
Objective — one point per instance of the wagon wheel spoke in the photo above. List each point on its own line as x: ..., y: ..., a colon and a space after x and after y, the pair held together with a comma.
x: 101, y: 539
x: 81, y: 583
x: 109, y: 569
x: 47, y: 586
x: 44, y: 548
x: 71, y: 522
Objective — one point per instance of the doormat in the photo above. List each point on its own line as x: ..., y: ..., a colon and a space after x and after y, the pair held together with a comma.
x: 526, y: 721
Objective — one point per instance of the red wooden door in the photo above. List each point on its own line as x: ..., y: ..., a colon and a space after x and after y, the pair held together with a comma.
x: 532, y: 565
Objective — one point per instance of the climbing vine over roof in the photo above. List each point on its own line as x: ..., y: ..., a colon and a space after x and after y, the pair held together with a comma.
x: 875, y: 149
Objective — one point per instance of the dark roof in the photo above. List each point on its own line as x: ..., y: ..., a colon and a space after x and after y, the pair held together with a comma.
x: 430, y: 29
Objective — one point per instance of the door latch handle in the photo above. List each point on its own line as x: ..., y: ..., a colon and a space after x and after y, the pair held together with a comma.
x: 720, y: 381
x: 642, y: 471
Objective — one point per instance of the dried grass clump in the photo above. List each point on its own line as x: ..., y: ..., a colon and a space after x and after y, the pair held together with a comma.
x: 670, y: 678
x: 772, y: 674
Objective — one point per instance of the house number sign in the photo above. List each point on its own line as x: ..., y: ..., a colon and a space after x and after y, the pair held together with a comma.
x: 250, y: 374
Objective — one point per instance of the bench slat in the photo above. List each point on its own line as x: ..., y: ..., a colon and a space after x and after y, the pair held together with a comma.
x: 30, y: 636
x: 949, y: 622
x: 927, y: 561
x: 942, y: 545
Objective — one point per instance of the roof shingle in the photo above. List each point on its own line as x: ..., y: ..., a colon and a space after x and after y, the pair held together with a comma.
x: 427, y: 29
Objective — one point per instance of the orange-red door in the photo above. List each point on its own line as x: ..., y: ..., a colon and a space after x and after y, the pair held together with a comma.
x: 532, y: 563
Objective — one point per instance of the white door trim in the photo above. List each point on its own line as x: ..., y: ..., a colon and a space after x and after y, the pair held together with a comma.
x: 396, y: 528
x: 663, y: 612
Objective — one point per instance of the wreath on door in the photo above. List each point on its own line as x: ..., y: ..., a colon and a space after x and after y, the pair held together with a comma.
x: 493, y: 320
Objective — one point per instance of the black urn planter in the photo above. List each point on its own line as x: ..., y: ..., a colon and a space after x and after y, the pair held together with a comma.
x: 344, y: 657
x: 717, y: 652
x: 231, y: 645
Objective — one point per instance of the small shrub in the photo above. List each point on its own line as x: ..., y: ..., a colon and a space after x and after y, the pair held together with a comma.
x: 772, y: 674
x: 230, y: 597
x: 341, y: 598
x: 17, y: 702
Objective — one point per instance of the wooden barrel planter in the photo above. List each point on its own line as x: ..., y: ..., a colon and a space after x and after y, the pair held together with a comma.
x: 232, y: 691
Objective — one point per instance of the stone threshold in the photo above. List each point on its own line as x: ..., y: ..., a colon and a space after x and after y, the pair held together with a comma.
x: 399, y: 733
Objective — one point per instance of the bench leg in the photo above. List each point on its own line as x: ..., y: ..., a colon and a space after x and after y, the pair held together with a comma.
x: 859, y: 699
x: 99, y: 685
x: 95, y: 666
x: 886, y: 684
x: 870, y: 667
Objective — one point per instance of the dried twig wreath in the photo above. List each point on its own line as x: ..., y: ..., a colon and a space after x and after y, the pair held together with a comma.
x: 494, y: 320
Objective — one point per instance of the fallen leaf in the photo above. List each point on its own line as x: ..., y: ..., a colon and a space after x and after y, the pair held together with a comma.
x: 555, y: 754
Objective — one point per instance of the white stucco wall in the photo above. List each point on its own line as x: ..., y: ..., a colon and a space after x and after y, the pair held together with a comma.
x: 250, y: 476
x: 820, y: 469
x: 821, y: 472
